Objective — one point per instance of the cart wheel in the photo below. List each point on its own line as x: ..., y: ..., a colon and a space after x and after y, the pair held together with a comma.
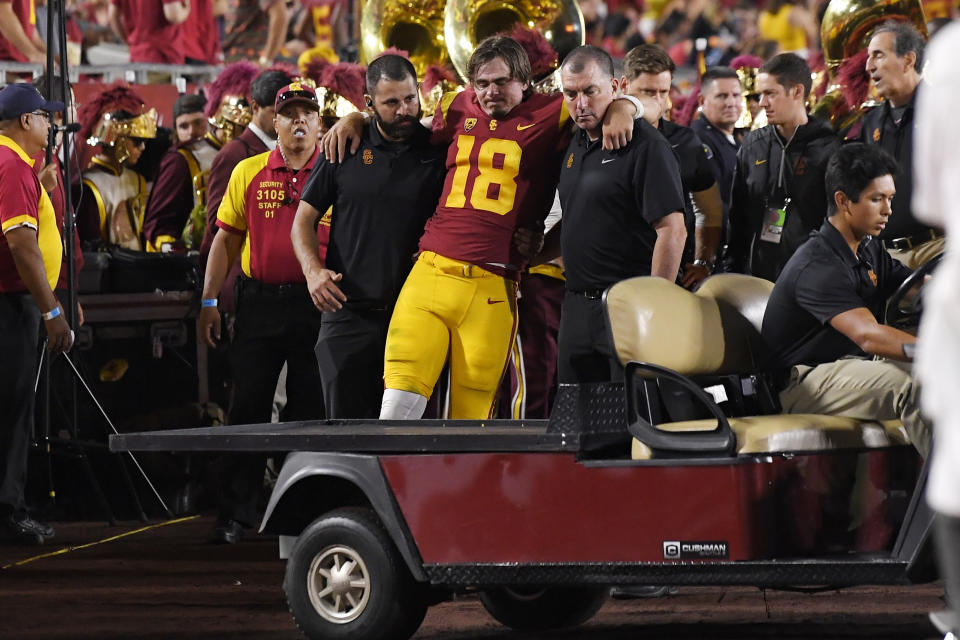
x: 345, y: 579
x: 540, y: 608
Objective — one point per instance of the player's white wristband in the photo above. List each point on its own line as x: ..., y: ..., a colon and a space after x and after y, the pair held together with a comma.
x: 50, y: 315
x: 636, y: 103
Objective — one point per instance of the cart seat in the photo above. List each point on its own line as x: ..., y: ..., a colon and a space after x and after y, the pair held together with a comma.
x: 716, y: 332
x: 797, y: 432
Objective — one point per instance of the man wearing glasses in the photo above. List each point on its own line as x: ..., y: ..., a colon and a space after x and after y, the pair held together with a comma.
x: 823, y: 318
x: 31, y: 253
x: 276, y: 320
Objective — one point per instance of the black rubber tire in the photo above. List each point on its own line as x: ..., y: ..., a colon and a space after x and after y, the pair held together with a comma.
x: 539, y: 609
x: 396, y: 604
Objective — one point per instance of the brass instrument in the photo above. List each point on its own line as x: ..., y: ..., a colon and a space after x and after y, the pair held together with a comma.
x: 468, y: 22
x: 848, y: 24
x: 414, y: 26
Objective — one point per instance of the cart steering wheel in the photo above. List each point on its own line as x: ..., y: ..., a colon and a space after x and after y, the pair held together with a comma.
x: 902, y: 316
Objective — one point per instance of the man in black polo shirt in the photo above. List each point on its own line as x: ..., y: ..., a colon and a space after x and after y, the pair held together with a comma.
x: 894, y: 62
x: 622, y: 216
x: 648, y: 76
x: 381, y: 196
x: 822, y: 319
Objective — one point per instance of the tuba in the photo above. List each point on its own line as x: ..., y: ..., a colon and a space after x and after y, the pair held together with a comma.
x: 468, y: 22
x: 848, y: 24
x: 414, y: 26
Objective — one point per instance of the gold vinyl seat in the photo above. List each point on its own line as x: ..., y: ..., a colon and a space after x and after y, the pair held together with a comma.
x: 795, y: 433
x: 716, y: 332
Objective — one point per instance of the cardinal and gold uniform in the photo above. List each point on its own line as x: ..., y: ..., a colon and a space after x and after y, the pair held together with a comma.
x: 461, y: 294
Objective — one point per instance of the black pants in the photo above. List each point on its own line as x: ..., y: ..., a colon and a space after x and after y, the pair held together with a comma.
x: 273, y: 325
x: 350, y: 355
x: 19, y: 336
x: 585, y: 350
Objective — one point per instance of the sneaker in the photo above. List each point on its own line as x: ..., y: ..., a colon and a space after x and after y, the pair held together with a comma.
x: 229, y: 533
x: 19, y: 528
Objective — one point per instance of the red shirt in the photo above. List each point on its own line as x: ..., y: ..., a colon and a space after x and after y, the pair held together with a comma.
x: 501, y: 176
x: 201, y: 38
x: 261, y: 202
x: 24, y: 10
x: 150, y: 36
x: 23, y: 203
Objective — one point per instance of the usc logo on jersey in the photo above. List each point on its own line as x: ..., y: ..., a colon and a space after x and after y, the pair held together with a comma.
x: 469, y: 123
x: 367, y: 157
x: 570, y: 161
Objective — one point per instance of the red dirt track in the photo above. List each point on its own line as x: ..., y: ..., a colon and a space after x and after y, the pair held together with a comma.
x: 167, y: 582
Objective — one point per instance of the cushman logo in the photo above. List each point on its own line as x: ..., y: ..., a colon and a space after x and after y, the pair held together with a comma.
x: 683, y: 550
x: 469, y: 123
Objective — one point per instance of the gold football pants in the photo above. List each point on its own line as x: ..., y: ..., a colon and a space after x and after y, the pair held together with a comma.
x: 451, y: 306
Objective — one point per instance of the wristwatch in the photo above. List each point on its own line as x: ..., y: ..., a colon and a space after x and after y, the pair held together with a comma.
x: 700, y: 262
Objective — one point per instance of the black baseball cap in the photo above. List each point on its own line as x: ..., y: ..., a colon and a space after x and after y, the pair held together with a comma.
x: 22, y: 97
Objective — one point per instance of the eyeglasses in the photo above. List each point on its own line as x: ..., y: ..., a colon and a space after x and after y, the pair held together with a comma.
x: 42, y: 114
x: 139, y: 142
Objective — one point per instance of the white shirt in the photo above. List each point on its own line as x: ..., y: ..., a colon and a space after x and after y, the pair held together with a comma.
x: 936, y: 194
x: 269, y: 142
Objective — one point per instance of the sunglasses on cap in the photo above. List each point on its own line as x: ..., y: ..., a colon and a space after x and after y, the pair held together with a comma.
x: 296, y: 96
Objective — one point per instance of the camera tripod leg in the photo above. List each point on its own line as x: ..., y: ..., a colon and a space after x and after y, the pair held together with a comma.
x: 130, y: 453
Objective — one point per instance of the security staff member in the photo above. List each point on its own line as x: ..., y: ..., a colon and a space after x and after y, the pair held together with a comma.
x: 894, y: 62
x: 622, y: 216
x: 648, y: 76
x: 778, y: 194
x: 31, y: 253
x: 275, y: 320
x: 825, y: 307
x: 381, y: 196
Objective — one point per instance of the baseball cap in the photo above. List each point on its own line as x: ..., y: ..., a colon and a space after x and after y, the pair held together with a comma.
x: 22, y: 97
x: 297, y: 92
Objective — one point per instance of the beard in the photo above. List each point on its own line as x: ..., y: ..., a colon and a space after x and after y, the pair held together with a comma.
x: 401, y: 128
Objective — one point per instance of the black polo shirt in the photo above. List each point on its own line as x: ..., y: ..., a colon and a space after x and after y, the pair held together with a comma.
x: 820, y: 281
x: 722, y: 156
x: 382, y: 195
x: 610, y: 200
x: 696, y: 174
x: 892, y: 130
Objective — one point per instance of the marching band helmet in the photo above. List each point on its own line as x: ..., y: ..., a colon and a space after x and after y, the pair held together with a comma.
x: 116, y: 114
x: 228, y: 102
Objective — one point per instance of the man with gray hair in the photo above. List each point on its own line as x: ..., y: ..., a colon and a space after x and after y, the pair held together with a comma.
x: 894, y: 62
x: 622, y: 215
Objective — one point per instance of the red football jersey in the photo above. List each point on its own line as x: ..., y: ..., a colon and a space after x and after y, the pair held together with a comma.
x: 501, y: 176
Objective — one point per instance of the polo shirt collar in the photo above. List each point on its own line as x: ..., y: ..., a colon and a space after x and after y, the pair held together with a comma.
x: 835, y: 241
x: 275, y: 161
x: 8, y: 142
x: 268, y: 142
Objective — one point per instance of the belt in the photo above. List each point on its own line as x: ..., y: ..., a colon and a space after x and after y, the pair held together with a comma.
x: 911, y: 242
x: 589, y: 294
x: 287, y: 289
